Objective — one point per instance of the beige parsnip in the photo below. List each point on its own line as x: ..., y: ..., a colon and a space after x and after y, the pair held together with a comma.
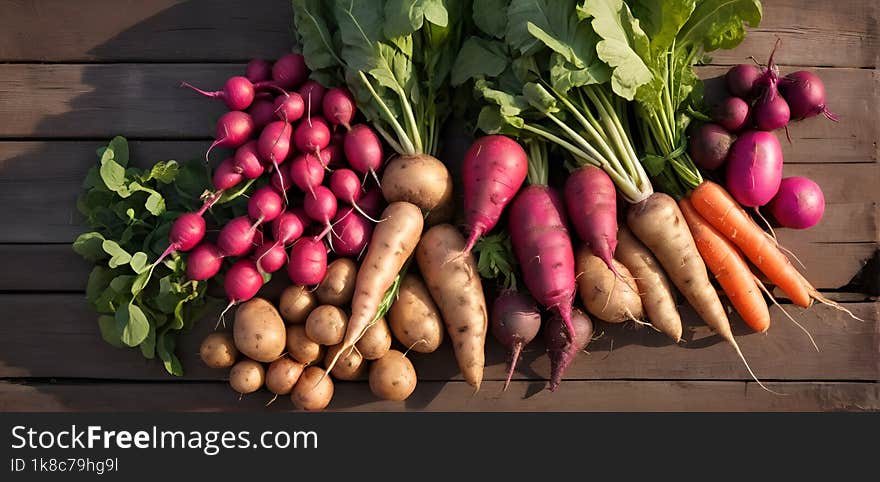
x: 414, y: 318
x: 610, y: 298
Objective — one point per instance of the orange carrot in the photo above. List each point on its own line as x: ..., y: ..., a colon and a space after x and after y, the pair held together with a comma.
x: 730, y: 269
x: 720, y: 210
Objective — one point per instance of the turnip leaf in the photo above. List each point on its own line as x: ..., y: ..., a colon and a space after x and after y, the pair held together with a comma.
x: 133, y: 323
x: 109, y: 331
x: 490, y: 16
x: 90, y: 246
x: 148, y: 346
x: 479, y: 57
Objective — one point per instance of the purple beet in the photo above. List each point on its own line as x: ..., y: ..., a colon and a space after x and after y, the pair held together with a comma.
x: 515, y: 322
x: 559, y: 345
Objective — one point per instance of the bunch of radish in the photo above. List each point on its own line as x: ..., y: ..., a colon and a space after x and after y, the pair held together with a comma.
x: 758, y: 101
x: 294, y: 139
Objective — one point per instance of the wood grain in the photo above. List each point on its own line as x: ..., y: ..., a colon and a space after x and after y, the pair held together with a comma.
x: 848, y: 349
x: 572, y: 396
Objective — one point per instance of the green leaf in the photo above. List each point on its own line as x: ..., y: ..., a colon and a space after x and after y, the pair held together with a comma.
x: 118, y: 256
x: 140, y: 282
x: 155, y: 204
x: 99, y: 280
x: 312, y: 19
x: 109, y: 331
x: 478, y: 57
x: 662, y: 21
x: 164, y: 172
x: 121, y: 283
x: 490, y: 16
x: 718, y: 24
x: 540, y: 98
x: 90, y: 246
x: 519, y: 14
x: 495, y: 259
x: 139, y: 262
x: 133, y: 324
x: 148, y: 346
x: 119, y: 146
x: 113, y: 175
x: 403, y: 17
x: 165, y: 349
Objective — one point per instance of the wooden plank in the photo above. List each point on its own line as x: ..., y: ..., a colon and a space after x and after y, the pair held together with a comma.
x: 113, y: 30
x: 840, y: 34
x: 848, y: 349
x: 612, y: 396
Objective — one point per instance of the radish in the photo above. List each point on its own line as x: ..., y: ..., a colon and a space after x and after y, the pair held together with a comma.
x: 732, y: 113
x: 281, y: 181
x: 373, y: 202
x: 258, y: 70
x: 289, y: 107
x: 332, y: 157
x: 203, y: 262
x: 346, y: 186
x: 363, y: 149
x: 591, y: 201
x: 493, y: 170
x: 289, y: 226
x: 242, y: 283
x: 312, y: 135
x: 306, y: 172
x: 262, y: 112
x: 265, y: 205
x: 233, y: 129
x: 515, y: 322
x: 805, y: 94
x: 238, y: 92
x: 270, y: 257
x: 338, y: 107
x: 313, y: 95
x: 187, y: 231
x: 290, y: 71
x: 274, y: 146
x: 798, y: 204
x: 741, y: 80
x: 770, y: 111
x: 247, y: 161
x: 236, y: 238
x: 225, y: 175
x: 754, y: 168
x: 320, y: 205
x: 308, y: 262
x: 351, y: 233
x: 709, y: 144
x: 559, y: 343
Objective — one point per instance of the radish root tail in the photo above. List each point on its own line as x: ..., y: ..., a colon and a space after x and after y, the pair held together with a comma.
x: 787, y: 315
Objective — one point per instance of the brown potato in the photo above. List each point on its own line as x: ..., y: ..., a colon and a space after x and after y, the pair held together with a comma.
x: 376, y: 341
x: 306, y: 395
x: 337, y: 287
x: 608, y: 297
x: 422, y: 180
x: 414, y: 318
x: 247, y: 376
x: 301, y: 348
x: 350, y: 366
x: 392, y: 377
x: 326, y: 325
x: 296, y: 304
x: 259, y: 330
x: 282, y: 375
x: 218, y: 350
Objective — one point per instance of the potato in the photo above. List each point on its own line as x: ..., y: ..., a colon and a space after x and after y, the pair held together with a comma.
x: 282, y: 375
x: 376, y: 341
x: 414, y: 318
x: 301, y: 348
x: 350, y: 366
x: 259, y: 330
x: 337, y: 287
x: 608, y: 297
x: 296, y: 304
x: 392, y: 377
x: 218, y: 350
x: 306, y: 395
x: 326, y: 325
x: 422, y: 180
x: 247, y: 376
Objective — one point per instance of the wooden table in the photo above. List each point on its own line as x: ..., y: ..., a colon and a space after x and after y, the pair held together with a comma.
x: 77, y: 73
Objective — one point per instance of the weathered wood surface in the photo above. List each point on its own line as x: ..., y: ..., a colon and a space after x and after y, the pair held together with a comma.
x: 81, y: 72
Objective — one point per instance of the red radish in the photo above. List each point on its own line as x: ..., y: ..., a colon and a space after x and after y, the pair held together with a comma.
x: 559, y: 343
x: 312, y: 95
x: 709, y: 144
x: 270, y: 257
x: 332, y: 156
x: 493, y: 170
x: 312, y: 135
x: 363, y: 149
x: 346, y: 186
x: 289, y: 226
x: 515, y: 322
x: 592, y: 207
x: 187, y: 231
x: 262, y: 112
x: 203, y: 262
x: 754, y: 168
x: 770, y: 111
x: 321, y: 206
x: 339, y: 107
x: 337, y: 137
x: 274, y: 146
x: 242, y: 283
x: 247, y: 161
x: 238, y: 92
x: 281, y: 181
x: 805, y: 94
x: 741, y: 80
x: 308, y: 262
x: 290, y: 71
x: 732, y: 113
x: 265, y: 205
x: 306, y: 172
x: 258, y: 70
x: 543, y: 248
x: 373, y: 202
x: 236, y: 238
x: 225, y: 175
x: 289, y: 107
x: 351, y: 233
x: 233, y: 129
x: 799, y: 203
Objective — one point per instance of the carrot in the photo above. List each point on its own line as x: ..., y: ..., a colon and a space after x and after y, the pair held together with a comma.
x: 730, y: 269
x: 720, y: 210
